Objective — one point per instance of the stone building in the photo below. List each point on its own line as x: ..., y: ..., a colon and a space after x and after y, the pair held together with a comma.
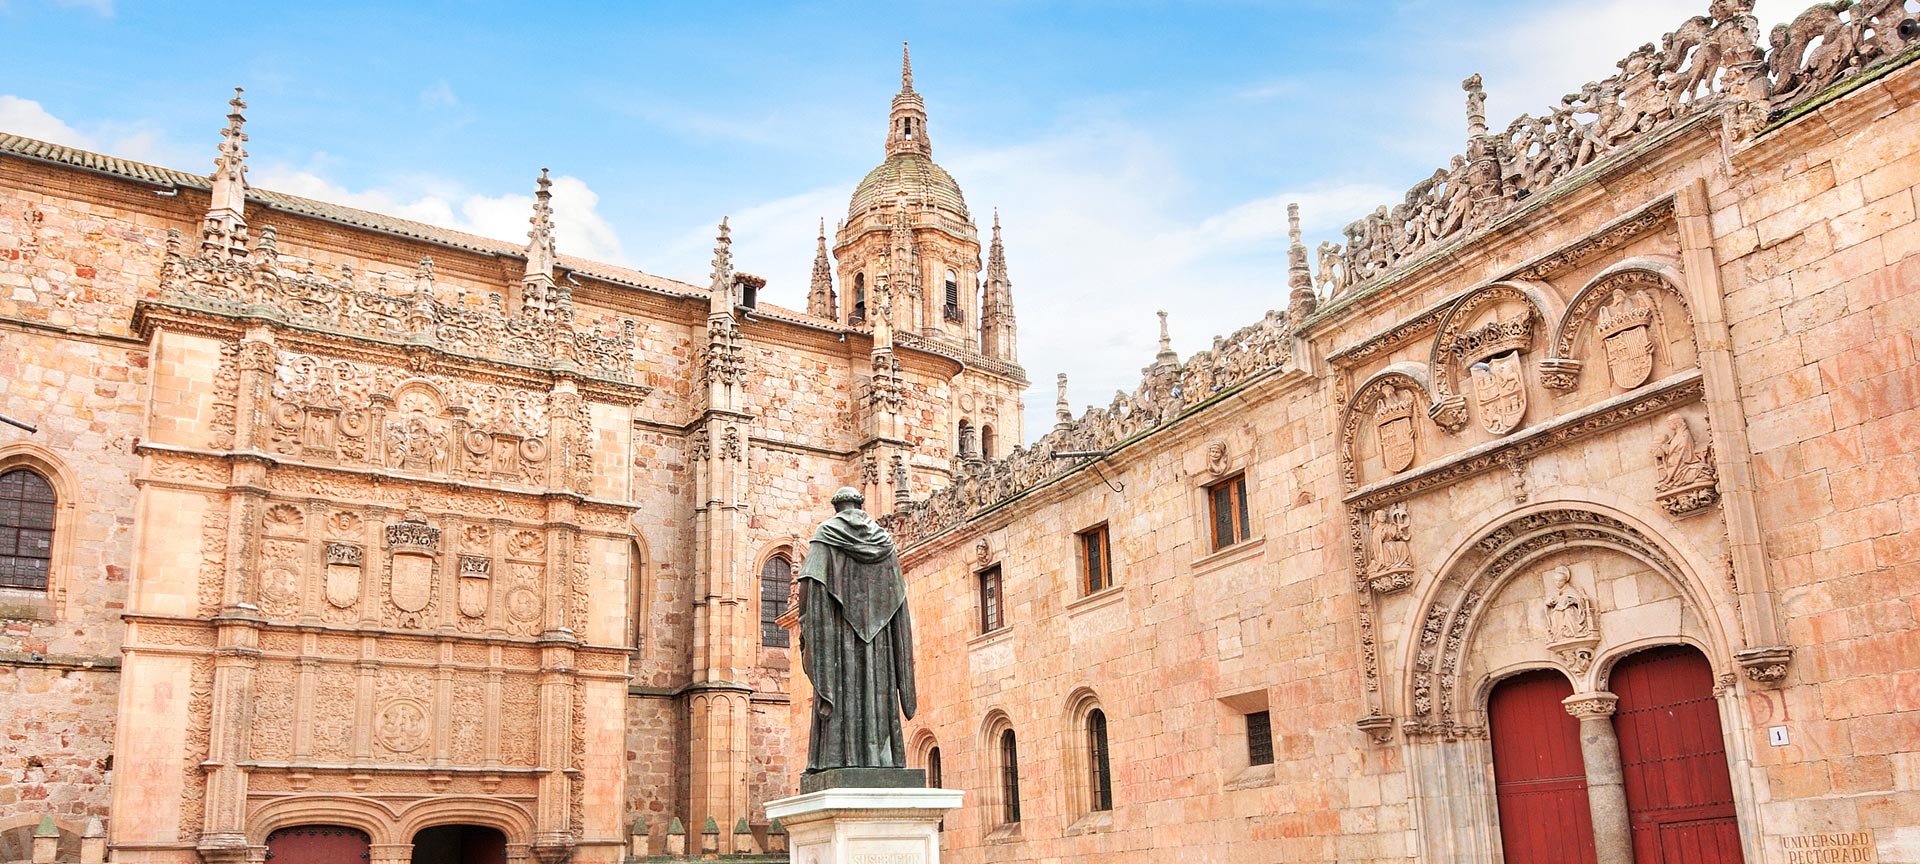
x: 1567, y: 514
x: 348, y: 535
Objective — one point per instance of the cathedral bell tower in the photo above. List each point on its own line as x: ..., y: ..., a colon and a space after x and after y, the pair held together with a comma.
x: 908, y: 260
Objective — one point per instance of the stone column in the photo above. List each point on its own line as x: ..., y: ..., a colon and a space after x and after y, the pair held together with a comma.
x: 1606, y: 782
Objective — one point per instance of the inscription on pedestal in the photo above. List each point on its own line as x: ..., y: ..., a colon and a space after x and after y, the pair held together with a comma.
x: 1834, y: 847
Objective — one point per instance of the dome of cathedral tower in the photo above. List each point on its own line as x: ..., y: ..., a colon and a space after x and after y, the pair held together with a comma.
x: 916, y: 175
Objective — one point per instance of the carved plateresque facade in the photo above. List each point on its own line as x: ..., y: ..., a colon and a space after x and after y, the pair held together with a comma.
x: 1639, y: 372
x: 365, y: 523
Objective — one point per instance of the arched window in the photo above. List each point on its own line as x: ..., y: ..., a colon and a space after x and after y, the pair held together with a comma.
x: 1100, y: 772
x: 986, y: 441
x: 27, y: 508
x: 933, y: 767
x: 1009, y: 779
x: 776, y: 579
x: 859, y: 299
x: 952, y: 308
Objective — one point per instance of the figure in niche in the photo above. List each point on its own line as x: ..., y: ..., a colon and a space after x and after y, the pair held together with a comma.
x: 1569, y: 614
x: 1680, y: 466
x: 1392, y: 546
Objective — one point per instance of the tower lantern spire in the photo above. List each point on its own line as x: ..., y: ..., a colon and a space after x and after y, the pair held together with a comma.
x: 1301, y: 301
x: 908, y: 130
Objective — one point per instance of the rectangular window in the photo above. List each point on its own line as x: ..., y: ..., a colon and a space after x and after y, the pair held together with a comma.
x: 1096, y: 560
x: 991, y: 608
x: 1259, y: 738
x: 1227, y: 500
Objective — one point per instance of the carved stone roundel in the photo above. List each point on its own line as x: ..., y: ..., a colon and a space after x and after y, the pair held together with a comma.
x: 402, y: 727
x: 523, y: 605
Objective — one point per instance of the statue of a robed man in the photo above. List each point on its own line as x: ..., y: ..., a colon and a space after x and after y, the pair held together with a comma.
x: 856, y: 643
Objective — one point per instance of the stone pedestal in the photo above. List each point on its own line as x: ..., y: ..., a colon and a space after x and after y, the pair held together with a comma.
x: 840, y: 826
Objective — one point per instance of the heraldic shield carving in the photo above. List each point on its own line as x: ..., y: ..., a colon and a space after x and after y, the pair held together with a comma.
x: 1626, y: 328
x: 1393, y: 419
x: 412, y: 544
x: 344, y: 561
x: 1493, y: 352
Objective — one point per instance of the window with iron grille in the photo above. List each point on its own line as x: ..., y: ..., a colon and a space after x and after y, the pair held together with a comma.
x: 991, y: 600
x: 952, y: 307
x: 1101, y: 779
x: 26, y: 530
x: 776, y: 581
x: 1096, y: 560
x: 1009, y: 779
x: 1227, y: 500
x: 1259, y: 738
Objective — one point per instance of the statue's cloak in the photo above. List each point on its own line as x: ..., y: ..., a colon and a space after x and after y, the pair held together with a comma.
x: 856, y: 642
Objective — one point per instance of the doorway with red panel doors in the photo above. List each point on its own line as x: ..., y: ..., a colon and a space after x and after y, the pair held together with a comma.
x: 1539, y: 777
x: 317, y: 844
x: 1674, y: 757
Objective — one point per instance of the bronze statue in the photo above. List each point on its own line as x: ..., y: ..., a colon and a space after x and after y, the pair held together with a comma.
x: 856, y: 643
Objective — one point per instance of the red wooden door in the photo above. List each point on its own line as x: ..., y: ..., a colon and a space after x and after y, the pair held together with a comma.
x: 1679, y: 793
x: 1539, y: 778
x: 317, y: 844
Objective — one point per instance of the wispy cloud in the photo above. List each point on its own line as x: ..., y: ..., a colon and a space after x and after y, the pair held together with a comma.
x: 439, y: 95
x: 578, y: 224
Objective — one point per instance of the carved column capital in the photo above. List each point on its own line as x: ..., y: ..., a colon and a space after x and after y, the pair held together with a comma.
x: 1596, y: 705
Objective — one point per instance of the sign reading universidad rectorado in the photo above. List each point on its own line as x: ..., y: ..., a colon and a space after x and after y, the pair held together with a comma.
x: 1841, y: 847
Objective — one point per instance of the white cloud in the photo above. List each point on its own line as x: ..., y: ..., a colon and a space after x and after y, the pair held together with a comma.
x: 27, y: 117
x: 579, y: 227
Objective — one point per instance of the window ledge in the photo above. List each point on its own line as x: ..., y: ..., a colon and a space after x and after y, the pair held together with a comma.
x: 1251, y: 777
x: 1097, y: 599
x: 1231, y: 555
x: 1007, y: 833
x: 990, y: 637
x: 1093, y: 823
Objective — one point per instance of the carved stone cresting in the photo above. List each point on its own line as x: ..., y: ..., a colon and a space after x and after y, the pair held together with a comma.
x: 1390, y: 564
x: 1573, y: 630
x: 1687, y: 479
x: 1710, y: 63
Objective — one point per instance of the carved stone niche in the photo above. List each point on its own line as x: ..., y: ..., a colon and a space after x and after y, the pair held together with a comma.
x: 1573, y: 627
x: 1687, y: 482
x: 1389, y: 549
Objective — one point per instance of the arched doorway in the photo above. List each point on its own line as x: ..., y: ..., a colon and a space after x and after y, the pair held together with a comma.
x: 1674, y: 758
x: 317, y: 844
x: 459, y: 844
x: 1539, y: 777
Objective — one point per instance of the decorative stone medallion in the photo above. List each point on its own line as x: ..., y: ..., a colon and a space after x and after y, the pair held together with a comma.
x: 1499, y: 387
x: 344, y: 561
x: 402, y: 726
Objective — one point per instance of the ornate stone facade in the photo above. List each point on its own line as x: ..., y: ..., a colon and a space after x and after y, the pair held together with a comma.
x: 411, y: 528
x: 1632, y: 374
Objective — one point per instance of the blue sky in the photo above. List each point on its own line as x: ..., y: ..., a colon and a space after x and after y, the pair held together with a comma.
x: 1141, y: 153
